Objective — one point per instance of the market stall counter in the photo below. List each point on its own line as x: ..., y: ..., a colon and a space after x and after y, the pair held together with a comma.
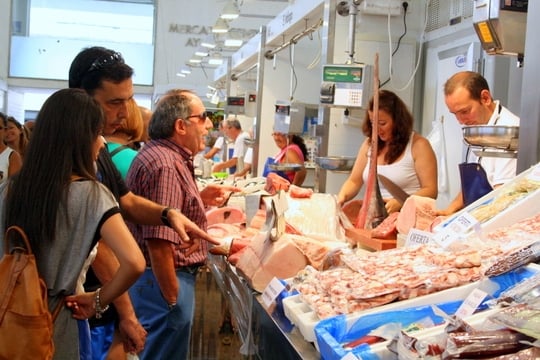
x: 355, y: 282
x: 265, y: 333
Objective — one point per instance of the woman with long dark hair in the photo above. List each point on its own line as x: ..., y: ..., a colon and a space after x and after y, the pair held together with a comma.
x: 292, y: 150
x: 58, y: 201
x: 404, y: 156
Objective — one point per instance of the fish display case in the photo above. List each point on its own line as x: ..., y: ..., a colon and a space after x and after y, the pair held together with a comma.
x: 334, y: 334
x: 506, y: 207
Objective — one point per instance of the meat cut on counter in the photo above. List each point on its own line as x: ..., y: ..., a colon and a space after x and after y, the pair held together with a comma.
x: 312, y: 228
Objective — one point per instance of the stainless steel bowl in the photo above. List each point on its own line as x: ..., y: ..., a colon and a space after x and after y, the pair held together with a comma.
x: 249, y: 142
x: 336, y: 163
x: 285, y: 167
x: 498, y: 137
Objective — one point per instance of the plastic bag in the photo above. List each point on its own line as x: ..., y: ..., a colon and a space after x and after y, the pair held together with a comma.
x: 437, y: 141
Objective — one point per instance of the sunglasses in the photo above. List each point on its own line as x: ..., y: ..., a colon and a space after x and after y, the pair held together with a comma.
x: 106, y: 60
x: 201, y: 117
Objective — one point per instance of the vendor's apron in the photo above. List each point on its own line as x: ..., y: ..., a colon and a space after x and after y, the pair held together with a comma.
x: 267, y: 169
x: 474, y: 182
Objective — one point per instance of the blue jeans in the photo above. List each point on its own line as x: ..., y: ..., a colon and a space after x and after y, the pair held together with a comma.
x: 169, y: 331
x: 85, y: 343
x: 102, y: 338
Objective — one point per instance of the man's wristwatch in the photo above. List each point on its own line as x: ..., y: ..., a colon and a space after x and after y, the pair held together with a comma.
x: 171, y: 306
x: 164, y: 218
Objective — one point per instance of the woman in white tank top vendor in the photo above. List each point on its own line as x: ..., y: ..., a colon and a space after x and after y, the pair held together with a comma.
x: 404, y: 156
x: 10, y: 160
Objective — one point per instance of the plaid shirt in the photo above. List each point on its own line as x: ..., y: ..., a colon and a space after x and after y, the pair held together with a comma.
x: 162, y: 171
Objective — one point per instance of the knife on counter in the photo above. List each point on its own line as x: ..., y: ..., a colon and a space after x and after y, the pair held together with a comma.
x: 398, y: 193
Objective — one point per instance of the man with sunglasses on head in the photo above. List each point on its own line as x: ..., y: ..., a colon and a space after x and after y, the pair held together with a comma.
x: 106, y: 77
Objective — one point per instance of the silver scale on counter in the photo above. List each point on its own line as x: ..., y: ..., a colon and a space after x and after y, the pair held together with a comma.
x: 492, y: 141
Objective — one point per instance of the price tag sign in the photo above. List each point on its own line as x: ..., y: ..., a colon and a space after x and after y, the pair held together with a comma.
x: 455, y: 230
x: 271, y: 292
x: 471, y: 303
x: 418, y: 237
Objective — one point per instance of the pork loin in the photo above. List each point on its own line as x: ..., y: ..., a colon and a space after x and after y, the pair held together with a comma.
x: 263, y: 259
x: 417, y: 212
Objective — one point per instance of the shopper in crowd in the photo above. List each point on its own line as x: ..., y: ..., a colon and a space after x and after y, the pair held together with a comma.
x: 216, y: 153
x: 404, y: 156
x: 10, y: 160
x: 64, y: 210
x: 163, y: 171
x: 29, y: 125
x: 468, y: 97
x: 125, y: 141
x: 104, y: 75
x: 233, y: 130
x: 146, y: 114
x: 292, y: 151
x: 16, y: 136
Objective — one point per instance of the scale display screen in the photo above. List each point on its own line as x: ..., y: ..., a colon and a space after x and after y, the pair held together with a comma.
x: 236, y: 101
x: 346, y: 85
x: 343, y: 74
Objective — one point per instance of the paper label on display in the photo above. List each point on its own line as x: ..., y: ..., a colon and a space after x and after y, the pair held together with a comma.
x: 280, y: 203
x: 471, y: 303
x: 418, y: 237
x: 455, y: 229
x: 271, y: 292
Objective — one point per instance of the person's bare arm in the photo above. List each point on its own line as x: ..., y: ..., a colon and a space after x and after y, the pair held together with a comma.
x: 292, y: 158
x: 133, y: 334
x: 118, y: 263
x: 15, y: 163
x: 456, y: 205
x: 210, y: 154
x: 354, y: 182
x: 143, y: 211
x: 425, y: 165
x: 161, y: 256
x: 224, y: 165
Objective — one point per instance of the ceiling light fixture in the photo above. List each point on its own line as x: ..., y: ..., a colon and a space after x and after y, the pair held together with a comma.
x: 220, y: 27
x: 230, y: 11
x: 233, y: 43
x: 180, y: 74
x: 185, y: 71
x: 201, y: 53
x: 195, y: 61
x: 208, y: 45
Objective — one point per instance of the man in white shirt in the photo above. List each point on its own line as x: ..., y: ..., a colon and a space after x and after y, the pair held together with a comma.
x: 216, y: 152
x: 467, y: 96
x: 233, y: 130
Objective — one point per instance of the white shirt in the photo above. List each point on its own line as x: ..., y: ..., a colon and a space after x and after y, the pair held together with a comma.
x: 240, y: 146
x: 499, y: 170
x: 4, y: 163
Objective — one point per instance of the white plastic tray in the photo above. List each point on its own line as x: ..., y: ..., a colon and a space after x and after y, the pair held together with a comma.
x: 305, y: 319
x: 522, y: 209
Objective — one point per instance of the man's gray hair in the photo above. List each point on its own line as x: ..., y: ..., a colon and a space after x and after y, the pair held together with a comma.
x: 174, y: 105
x: 234, y: 123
